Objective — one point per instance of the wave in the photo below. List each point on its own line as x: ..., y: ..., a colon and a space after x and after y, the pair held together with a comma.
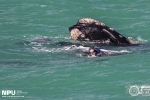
x: 54, y: 50
x: 141, y: 40
x: 79, y: 51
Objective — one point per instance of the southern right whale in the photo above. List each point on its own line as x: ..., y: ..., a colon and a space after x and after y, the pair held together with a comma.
x: 88, y: 29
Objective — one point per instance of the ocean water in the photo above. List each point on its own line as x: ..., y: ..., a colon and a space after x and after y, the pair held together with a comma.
x: 46, y: 71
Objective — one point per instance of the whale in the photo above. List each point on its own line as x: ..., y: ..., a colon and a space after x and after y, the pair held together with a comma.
x: 88, y: 29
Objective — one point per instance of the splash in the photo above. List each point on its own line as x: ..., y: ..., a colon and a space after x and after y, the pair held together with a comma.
x: 54, y: 50
x: 43, y: 6
x: 141, y: 40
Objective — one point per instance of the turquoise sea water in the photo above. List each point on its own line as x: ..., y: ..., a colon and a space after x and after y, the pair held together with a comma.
x: 58, y: 72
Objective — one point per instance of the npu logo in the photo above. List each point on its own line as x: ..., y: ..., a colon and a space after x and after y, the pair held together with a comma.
x: 8, y: 92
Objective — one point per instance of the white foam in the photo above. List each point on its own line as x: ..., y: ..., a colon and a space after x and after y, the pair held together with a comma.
x: 43, y: 6
x: 53, y: 50
x: 141, y: 40
x: 113, y: 52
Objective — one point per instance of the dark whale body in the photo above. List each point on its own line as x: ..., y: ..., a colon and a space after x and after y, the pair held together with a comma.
x: 66, y: 43
x: 36, y: 41
x: 42, y: 40
x: 88, y: 29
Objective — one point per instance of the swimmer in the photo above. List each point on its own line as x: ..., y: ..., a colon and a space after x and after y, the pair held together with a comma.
x: 98, y: 52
